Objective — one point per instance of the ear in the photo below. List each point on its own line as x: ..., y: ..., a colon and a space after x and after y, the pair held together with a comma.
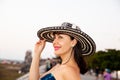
x: 74, y: 42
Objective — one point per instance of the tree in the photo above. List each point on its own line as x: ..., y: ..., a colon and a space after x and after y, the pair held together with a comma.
x: 105, y: 59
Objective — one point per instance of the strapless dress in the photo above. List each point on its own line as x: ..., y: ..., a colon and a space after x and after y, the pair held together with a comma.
x: 48, y: 77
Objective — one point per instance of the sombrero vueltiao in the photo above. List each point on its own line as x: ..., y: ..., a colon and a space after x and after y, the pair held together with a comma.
x: 87, y: 43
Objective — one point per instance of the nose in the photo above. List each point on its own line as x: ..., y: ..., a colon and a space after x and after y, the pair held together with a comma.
x: 55, y: 41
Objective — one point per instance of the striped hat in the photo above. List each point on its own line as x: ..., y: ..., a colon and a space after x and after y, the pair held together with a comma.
x: 87, y: 44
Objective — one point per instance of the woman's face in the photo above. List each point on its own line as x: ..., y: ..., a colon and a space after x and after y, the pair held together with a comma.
x: 62, y: 44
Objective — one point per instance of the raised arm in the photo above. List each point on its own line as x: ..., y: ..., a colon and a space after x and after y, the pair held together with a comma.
x: 34, y: 69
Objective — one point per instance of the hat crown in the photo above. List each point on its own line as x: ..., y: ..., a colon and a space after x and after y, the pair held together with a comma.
x: 69, y: 25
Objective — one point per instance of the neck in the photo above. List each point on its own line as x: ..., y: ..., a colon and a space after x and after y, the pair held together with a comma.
x: 69, y: 61
x: 68, y: 58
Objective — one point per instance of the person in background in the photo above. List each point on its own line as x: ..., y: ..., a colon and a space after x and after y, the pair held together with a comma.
x: 48, y: 64
x: 97, y: 70
x: 70, y: 44
x: 107, y: 74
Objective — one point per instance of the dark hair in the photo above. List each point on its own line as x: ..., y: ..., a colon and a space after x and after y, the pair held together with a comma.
x: 79, y: 58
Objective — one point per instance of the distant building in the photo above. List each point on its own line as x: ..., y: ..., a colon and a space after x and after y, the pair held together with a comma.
x: 27, y: 62
x: 28, y: 57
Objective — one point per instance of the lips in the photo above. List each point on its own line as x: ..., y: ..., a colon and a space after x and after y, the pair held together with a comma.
x: 56, y: 48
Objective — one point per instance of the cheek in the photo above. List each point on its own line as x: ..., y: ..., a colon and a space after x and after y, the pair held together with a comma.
x: 65, y: 47
x: 67, y: 44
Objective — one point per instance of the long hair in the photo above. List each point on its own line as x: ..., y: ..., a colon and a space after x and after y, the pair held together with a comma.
x: 77, y: 55
x: 79, y: 59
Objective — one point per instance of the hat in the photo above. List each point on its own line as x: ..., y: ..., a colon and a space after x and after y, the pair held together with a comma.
x: 87, y: 44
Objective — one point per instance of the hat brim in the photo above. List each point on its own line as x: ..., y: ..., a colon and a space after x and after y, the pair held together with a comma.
x: 87, y: 44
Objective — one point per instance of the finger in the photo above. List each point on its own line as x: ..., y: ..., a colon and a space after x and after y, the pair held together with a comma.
x: 38, y: 42
x: 41, y: 38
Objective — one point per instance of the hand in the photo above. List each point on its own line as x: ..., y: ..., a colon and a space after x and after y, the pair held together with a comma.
x: 39, y: 46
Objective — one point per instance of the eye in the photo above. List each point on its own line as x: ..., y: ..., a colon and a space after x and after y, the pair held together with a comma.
x: 60, y: 37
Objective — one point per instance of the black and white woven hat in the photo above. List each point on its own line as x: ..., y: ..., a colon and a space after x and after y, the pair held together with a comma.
x: 87, y: 43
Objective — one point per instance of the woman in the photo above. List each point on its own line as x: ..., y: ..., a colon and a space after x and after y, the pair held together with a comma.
x: 70, y: 44
x: 107, y: 75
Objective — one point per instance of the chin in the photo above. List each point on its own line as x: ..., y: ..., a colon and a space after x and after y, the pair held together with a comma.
x: 57, y: 53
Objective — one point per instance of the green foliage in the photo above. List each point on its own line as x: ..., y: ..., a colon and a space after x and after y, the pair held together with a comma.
x: 105, y: 59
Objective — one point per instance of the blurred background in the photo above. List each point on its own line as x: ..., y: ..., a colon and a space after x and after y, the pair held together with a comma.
x: 21, y: 19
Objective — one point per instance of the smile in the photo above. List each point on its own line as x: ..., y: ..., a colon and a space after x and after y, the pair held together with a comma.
x: 56, y: 48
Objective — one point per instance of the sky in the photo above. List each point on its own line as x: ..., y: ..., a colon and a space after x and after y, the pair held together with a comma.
x: 21, y: 19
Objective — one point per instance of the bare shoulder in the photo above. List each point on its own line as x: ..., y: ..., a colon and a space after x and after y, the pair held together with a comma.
x: 50, y: 71
x: 70, y: 73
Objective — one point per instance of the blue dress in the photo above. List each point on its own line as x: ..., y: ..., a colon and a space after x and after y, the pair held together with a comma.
x: 48, y: 77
